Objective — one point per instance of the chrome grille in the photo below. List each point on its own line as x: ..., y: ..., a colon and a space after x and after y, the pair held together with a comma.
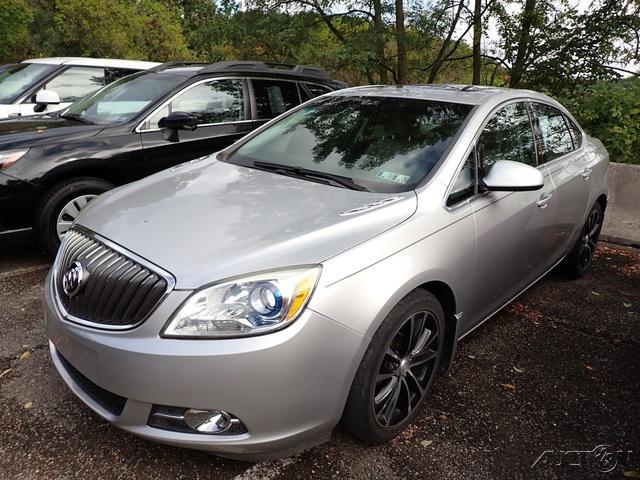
x: 119, y: 289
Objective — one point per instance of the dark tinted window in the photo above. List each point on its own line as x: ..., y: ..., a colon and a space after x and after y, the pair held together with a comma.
x: 113, y: 74
x: 465, y: 183
x: 507, y: 136
x: 556, y: 139
x: 317, y: 90
x: 76, y: 83
x: 274, y: 97
x: 383, y: 144
x: 576, y: 135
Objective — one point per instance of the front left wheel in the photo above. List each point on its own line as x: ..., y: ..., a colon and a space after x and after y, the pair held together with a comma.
x: 60, y: 207
x: 397, y: 370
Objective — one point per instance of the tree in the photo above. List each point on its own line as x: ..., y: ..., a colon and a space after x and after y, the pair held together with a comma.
x: 15, y: 18
x: 550, y: 45
x: 401, y: 41
x: 146, y: 29
x: 477, y: 40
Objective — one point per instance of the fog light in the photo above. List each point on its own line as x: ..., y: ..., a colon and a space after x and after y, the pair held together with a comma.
x: 207, y: 421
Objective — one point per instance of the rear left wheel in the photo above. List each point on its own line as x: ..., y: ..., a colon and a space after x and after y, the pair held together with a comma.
x: 397, y: 370
x: 579, y: 259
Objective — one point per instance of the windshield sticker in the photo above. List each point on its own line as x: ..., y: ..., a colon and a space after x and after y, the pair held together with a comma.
x: 393, y: 177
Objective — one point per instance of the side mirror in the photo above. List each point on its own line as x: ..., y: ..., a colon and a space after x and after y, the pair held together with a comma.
x: 508, y: 176
x: 177, y: 121
x: 44, y: 98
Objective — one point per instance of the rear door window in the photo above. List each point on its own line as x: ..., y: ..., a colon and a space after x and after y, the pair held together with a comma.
x: 576, y: 134
x: 556, y: 139
x: 274, y: 97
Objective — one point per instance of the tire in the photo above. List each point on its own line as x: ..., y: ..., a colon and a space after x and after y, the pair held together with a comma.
x: 367, y: 415
x: 75, y: 191
x: 576, y: 264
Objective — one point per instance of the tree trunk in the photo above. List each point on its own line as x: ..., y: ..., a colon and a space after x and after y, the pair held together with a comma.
x: 524, y: 38
x: 402, y: 44
x: 438, y: 62
x: 477, y: 39
x: 378, y: 27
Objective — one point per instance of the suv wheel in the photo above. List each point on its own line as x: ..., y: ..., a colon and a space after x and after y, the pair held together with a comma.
x: 62, y: 204
x: 577, y: 262
x: 397, y: 370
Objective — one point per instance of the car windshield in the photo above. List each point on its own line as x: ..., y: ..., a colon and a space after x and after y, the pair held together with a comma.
x: 381, y: 144
x: 15, y: 81
x: 124, y: 99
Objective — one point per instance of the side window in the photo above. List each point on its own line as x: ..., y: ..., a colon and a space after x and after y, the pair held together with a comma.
x: 556, y: 139
x: 465, y: 183
x: 507, y: 136
x: 113, y: 74
x: 576, y: 135
x: 77, y: 82
x: 274, y: 97
x: 217, y: 101
x: 316, y: 90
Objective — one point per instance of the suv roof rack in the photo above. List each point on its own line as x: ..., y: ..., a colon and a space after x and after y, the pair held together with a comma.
x: 241, y: 66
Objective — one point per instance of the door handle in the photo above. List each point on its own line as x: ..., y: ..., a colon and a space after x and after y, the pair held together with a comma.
x: 586, y: 173
x: 544, y: 200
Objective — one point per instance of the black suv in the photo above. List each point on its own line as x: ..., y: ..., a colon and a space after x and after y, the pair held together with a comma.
x: 52, y: 166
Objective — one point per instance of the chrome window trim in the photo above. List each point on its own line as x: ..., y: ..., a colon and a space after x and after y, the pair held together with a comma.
x: 168, y: 277
x: 139, y: 128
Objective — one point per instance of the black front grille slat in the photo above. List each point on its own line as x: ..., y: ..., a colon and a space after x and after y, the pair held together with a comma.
x: 112, y: 403
x: 119, y: 291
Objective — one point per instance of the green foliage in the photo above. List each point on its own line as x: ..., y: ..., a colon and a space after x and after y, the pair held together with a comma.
x: 15, y: 18
x: 610, y: 111
x: 144, y: 29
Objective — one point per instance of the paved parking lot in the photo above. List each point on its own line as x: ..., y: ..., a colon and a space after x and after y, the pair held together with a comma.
x: 557, y: 371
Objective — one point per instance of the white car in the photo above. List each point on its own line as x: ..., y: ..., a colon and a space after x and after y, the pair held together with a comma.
x: 45, y: 85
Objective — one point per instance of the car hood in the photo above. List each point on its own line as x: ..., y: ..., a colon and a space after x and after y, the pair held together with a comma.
x: 208, y: 220
x: 41, y: 130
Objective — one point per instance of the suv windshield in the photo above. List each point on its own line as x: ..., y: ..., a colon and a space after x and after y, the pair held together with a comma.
x: 15, y: 81
x: 123, y: 100
x: 381, y: 144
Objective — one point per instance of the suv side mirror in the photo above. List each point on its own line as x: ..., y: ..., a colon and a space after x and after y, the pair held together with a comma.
x: 44, y: 98
x: 177, y: 121
x: 508, y: 176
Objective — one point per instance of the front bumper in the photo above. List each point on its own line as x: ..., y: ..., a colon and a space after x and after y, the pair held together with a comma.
x: 288, y: 387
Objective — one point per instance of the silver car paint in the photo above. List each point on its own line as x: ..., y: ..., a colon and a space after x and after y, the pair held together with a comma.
x: 209, y: 220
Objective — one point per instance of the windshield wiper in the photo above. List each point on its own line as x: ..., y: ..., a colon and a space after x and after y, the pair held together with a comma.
x: 339, y: 180
x: 77, y: 118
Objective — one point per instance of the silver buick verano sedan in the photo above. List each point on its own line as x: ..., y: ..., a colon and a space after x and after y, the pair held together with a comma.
x: 321, y: 270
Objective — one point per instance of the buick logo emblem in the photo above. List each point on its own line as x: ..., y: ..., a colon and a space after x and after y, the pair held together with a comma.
x: 72, y: 279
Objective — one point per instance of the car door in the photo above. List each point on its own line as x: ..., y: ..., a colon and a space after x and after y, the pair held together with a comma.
x: 70, y: 84
x: 512, y: 228
x: 559, y: 147
x: 222, y: 111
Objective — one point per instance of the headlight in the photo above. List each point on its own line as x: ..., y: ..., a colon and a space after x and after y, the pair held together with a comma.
x: 245, y: 306
x: 9, y: 158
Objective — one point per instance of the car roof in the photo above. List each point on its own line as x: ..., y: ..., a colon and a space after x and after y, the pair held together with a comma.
x: 468, y: 94
x: 252, y: 68
x: 95, y: 62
